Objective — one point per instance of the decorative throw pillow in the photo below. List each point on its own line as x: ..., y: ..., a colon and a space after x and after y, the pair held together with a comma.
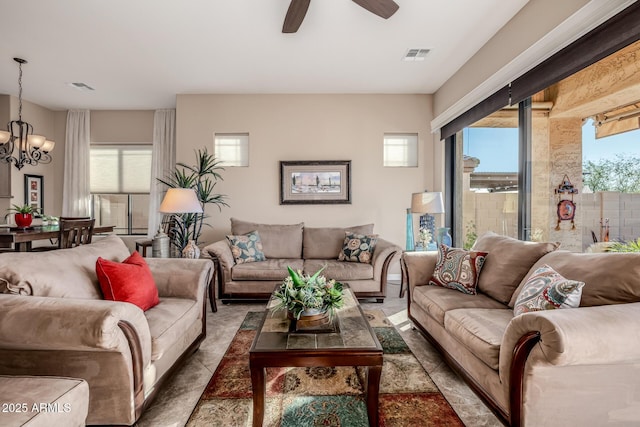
x: 546, y: 289
x: 458, y: 269
x: 246, y: 247
x: 129, y: 281
x: 358, y: 247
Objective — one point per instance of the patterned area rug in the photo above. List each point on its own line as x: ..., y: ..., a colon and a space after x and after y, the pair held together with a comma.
x: 298, y: 397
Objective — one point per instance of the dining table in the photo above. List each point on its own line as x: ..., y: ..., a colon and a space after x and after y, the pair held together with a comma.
x: 22, y: 238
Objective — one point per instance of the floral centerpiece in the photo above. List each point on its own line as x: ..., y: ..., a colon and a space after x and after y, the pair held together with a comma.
x: 303, y: 295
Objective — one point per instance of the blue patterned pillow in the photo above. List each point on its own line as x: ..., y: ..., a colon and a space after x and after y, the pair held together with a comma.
x: 358, y: 247
x: 246, y: 247
x: 458, y: 269
x: 546, y: 289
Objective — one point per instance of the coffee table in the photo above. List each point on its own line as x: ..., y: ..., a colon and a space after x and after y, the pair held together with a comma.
x: 353, y: 344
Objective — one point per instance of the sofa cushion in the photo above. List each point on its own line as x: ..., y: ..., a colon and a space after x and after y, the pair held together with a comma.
x: 480, y: 330
x: 43, y: 401
x: 358, y: 247
x: 545, y: 289
x: 168, y: 321
x: 507, y: 262
x: 61, y: 273
x: 246, y: 247
x: 458, y: 269
x: 271, y: 269
x: 437, y: 301
x: 278, y: 241
x: 129, y: 281
x: 610, y: 278
x: 327, y: 242
x: 339, y: 270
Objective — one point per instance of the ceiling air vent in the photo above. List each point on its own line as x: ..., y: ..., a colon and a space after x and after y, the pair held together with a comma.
x: 81, y: 86
x: 415, y: 54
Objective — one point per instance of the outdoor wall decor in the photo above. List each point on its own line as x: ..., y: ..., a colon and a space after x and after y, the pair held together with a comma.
x: 315, y: 182
x: 566, y: 206
x: 34, y: 193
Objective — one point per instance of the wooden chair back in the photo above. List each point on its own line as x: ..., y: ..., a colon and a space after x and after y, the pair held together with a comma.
x: 74, y: 232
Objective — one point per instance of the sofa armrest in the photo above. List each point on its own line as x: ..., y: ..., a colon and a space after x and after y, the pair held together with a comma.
x: 180, y: 277
x: 384, y: 250
x: 222, y: 252
x: 607, y: 334
x: 72, y: 324
x: 418, y: 268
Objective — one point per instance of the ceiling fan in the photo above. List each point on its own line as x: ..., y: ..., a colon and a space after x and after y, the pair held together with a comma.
x: 298, y: 9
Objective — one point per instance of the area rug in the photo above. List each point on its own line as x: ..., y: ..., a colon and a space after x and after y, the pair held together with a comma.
x: 298, y: 397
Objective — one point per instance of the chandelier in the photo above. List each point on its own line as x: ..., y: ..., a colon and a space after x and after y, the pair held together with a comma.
x: 31, y: 149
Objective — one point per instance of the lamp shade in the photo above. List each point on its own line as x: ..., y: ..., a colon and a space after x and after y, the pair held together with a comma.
x: 428, y: 202
x: 180, y: 200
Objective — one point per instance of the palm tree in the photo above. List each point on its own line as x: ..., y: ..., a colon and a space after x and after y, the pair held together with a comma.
x: 202, y: 178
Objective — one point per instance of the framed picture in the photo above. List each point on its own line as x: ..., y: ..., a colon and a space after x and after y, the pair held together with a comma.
x: 315, y: 182
x: 34, y: 193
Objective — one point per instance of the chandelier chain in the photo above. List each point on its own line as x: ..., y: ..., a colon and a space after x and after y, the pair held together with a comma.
x: 20, y: 91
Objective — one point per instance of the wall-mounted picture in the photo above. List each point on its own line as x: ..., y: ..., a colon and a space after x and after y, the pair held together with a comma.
x: 315, y: 182
x: 34, y: 192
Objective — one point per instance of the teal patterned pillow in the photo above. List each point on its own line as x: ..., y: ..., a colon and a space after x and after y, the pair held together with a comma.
x: 546, y: 289
x: 246, y: 248
x: 358, y: 247
x: 458, y: 269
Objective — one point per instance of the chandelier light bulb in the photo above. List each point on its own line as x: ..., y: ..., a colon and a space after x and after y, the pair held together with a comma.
x: 36, y: 140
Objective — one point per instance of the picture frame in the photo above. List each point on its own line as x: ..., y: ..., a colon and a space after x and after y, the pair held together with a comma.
x: 34, y: 193
x: 304, y: 182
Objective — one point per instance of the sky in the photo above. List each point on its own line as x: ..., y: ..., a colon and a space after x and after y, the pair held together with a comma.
x: 497, y: 148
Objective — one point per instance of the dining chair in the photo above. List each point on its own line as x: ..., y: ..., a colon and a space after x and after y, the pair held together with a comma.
x: 74, y: 232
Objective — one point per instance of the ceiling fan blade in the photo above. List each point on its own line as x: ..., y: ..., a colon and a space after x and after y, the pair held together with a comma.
x: 383, y: 8
x: 295, y: 15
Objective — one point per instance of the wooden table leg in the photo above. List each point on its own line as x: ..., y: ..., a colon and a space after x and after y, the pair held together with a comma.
x: 373, y: 389
x: 258, y: 387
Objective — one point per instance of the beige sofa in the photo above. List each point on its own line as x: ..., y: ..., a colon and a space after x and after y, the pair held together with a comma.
x: 567, y: 367
x: 302, y: 248
x: 53, y: 321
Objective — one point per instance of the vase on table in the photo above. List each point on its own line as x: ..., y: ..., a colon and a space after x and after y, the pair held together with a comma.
x: 443, y: 237
x: 23, y: 220
x: 191, y: 250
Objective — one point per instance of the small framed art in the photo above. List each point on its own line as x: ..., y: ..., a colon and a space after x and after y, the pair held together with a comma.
x: 34, y: 193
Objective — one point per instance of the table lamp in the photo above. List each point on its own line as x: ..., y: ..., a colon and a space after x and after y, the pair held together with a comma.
x: 425, y: 203
x: 183, y: 201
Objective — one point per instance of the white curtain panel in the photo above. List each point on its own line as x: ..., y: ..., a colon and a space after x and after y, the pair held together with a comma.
x: 76, y: 196
x: 163, y: 161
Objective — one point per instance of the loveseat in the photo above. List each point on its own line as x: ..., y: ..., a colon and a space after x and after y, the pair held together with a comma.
x: 302, y: 248
x: 55, y: 322
x: 554, y: 367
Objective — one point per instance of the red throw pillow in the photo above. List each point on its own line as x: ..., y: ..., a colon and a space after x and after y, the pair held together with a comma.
x: 128, y: 281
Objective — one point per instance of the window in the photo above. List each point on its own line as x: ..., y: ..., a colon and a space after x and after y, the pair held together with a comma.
x: 120, y: 180
x: 401, y: 150
x: 232, y: 149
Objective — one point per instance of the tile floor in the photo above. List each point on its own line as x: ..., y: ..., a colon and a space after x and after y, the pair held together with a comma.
x: 173, y: 405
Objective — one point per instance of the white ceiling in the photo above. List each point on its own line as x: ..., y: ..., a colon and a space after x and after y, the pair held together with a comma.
x: 138, y: 54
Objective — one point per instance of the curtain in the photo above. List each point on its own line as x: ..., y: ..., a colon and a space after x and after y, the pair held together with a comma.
x: 76, y: 196
x: 162, y: 162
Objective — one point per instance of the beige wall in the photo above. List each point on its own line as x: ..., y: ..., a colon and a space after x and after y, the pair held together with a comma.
x: 311, y: 127
x: 121, y: 126
x: 532, y: 23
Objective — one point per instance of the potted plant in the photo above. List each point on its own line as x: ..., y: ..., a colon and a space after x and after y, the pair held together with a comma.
x: 23, y: 215
x: 304, y: 295
x: 202, y: 177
